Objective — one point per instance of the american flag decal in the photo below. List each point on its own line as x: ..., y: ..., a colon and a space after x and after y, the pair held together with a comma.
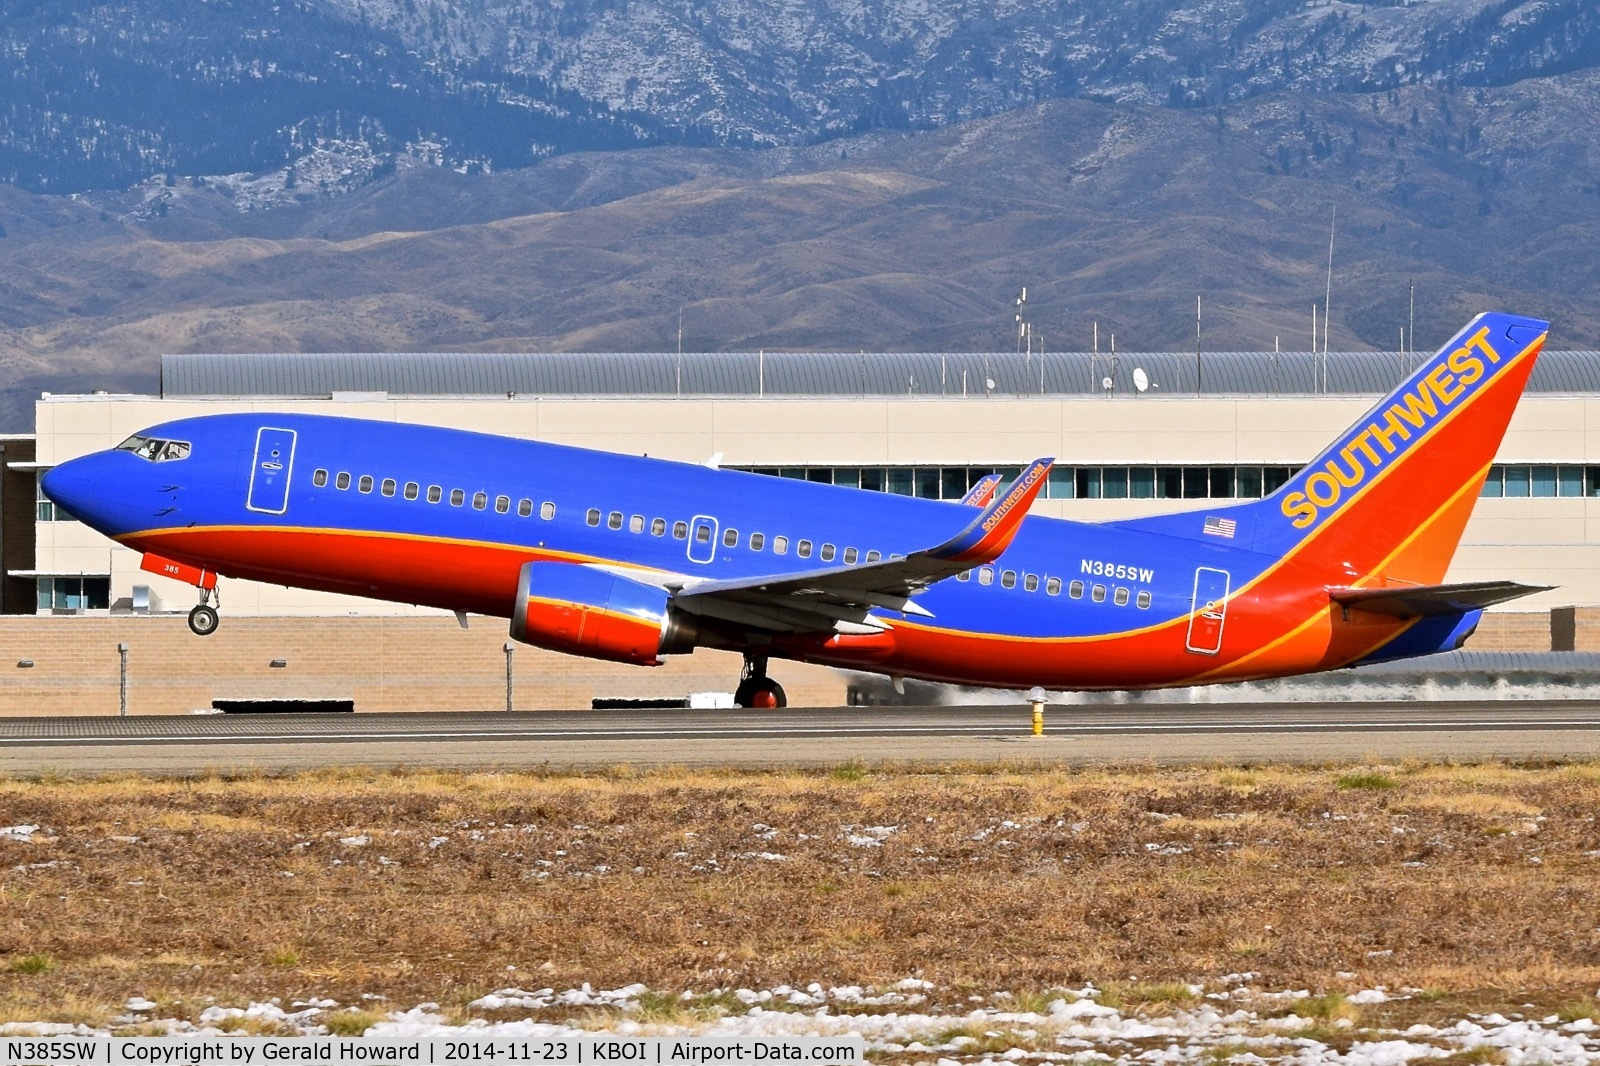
x: 1219, y: 527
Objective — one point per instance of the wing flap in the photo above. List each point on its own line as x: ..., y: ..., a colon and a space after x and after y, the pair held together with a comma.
x: 1423, y: 600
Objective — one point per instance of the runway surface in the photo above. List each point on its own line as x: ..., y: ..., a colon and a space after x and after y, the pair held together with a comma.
x: 1168, y: 734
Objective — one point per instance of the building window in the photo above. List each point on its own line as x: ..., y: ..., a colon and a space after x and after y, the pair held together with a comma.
x: 75, y: 593
x: 46, y: 509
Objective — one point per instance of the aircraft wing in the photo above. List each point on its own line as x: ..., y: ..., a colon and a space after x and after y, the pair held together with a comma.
x: 1422, y: 600
x: 839, y: 599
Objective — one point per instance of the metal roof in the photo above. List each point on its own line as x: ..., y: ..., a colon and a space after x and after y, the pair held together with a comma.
x: 294, y: 374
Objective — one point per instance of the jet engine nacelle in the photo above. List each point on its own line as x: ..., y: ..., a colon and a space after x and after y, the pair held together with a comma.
x: 583, y: 611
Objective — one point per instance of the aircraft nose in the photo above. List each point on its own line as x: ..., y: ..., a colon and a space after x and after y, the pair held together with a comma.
x: 82, y: 488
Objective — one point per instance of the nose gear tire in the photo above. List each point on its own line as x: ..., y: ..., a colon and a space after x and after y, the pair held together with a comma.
x: 203, y: 621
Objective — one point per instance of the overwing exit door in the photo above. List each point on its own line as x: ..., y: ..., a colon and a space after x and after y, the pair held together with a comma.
x: 270, y: 470
x: 702, y: 539
x: 1208, y: 611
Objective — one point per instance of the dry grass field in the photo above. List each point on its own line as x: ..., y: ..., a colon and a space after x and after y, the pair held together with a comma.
x: 1474, y: 886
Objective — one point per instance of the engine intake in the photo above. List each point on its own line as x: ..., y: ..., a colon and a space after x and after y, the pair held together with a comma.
x: 583, y: 611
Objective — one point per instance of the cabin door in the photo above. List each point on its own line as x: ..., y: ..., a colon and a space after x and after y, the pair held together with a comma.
x: 1208, y: 611
x: 702, y: 539
x: 270, y: 470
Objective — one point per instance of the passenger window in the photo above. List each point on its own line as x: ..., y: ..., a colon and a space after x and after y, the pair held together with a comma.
x: 1098, y: 594
x: 480, y: 500
x: 614, y: 520
x: 1052, y: 586
x: 827, y: 553
x: 803, y: 549
x: 388, y: 486
x: 1075, y: 590
x: 320, y: 478
x: 702, y: 534
x: 680, y: 530
x: 850, y: 556
x: 873, y: 556
x: 411, y: 489
x: 1008, y: 579
x: 1120, y: 597
x: 342, y: 481
x: 658, y: 526
x: 457, y: 497
x: 365, y: 484
x: 780, y: 545
x: 435, y: 494
x: 1030, y: 582
x: 730, y: 537
x: 502, y: 504
x: 986, y: 576
x: 593, y: 517
x: 1143, y: 600
x: 965, y: 575
x: 524, y: 508
x: 547, y: 510
x: 636, y: 524
x: 757, y: 540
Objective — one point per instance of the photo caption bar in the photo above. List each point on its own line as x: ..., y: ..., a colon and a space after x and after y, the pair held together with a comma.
x: 598, y: 1050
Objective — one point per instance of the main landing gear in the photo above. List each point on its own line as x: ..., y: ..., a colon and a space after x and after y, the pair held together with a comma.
x: 756, y: 689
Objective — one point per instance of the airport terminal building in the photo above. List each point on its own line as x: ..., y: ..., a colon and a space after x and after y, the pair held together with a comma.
x: 1131, y: 433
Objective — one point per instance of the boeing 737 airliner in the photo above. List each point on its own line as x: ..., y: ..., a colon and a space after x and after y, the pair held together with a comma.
x: 629, y: 559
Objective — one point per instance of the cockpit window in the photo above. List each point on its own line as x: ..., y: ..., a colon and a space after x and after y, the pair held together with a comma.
x: 155, y: 449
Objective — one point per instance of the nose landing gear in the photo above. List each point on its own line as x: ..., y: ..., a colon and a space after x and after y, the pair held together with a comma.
x: 203, y: 618
x: 756, y: 689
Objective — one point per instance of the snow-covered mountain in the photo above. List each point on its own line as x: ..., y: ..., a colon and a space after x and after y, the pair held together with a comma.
x: 105, y: 95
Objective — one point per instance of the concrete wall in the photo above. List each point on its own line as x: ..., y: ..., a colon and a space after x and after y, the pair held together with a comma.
x: 417, y: 664
x: 384, y: 664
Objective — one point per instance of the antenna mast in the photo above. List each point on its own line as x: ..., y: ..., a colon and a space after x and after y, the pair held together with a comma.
x: 1327, y: 302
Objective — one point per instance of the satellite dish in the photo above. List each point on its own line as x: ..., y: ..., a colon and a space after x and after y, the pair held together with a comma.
x: 1141, y: 380
x: 1107, y: 384
x: 988, y: 383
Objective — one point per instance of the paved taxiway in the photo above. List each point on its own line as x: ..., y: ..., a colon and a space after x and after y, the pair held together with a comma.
x: 1168, y: 734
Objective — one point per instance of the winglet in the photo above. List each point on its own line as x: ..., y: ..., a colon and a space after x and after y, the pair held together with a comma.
x: 982, y: 492
x: 992, y: 531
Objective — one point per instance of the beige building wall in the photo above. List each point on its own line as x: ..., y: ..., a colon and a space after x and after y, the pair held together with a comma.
x: 1539, y: 541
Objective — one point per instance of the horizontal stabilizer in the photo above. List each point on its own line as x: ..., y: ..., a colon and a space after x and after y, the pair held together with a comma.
x: 1418, y: 601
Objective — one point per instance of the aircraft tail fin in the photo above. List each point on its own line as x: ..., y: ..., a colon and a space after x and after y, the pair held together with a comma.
x: 1388, y: 500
